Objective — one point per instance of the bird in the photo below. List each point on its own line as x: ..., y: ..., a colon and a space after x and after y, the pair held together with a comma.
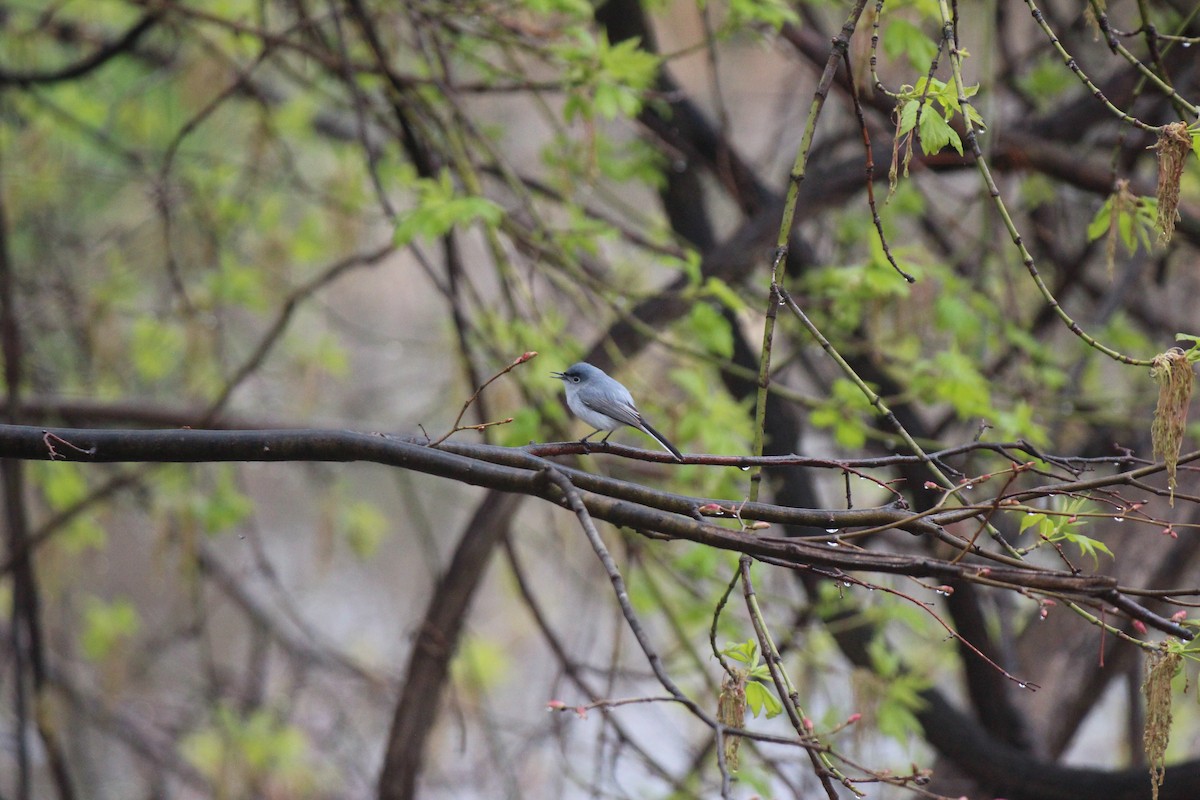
x: 605, y: 404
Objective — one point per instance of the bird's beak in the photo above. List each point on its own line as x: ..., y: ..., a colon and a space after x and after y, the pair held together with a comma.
x: 558, y: 375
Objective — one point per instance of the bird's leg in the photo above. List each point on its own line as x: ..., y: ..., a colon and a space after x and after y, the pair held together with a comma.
x: 605, y: 439
x: 587, y: 448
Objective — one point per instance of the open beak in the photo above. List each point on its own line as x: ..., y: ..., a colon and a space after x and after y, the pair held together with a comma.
x: 558, y: 375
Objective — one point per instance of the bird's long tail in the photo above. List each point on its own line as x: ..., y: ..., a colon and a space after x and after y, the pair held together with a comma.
x: 658, y: 437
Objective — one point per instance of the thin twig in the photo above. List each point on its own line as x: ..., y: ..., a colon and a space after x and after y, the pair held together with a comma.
x: 575, y: 503
x: 462, y: 412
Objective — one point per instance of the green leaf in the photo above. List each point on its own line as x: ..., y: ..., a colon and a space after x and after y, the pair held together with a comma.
x: 606, y: 101
x: 224, y: 505
x: 936, y: 133
x: 1135, y: 218
x: 253, y: 749
x: 156, y: 349
x: 1030, y: 519
x: 953, y: 377
x: 1019, y: 422
x: 105, y: 625
x: 364, y: 527
x: 481, y: 664
x: 439, y: 209
x: 690, y: 265
x: 1193, y: 350
x: 774, y: 13
x: 331, y: 356
x: 63, y: 483
x: 896, y: 716
x: 1065, y: 526
x: 846, y: 413
x: 908, y: 116
x: 577, y: 9
x: 903, y: 38
x: 759, y: 698
x: 745, y: 652
x: 526, y: 426
x: 628, y: 161
x: 1088, y: 546
x: 884, y: 659
x: 606, y: 80
x: 710, y: 330
x: 1046, y: 82
x: 238, y: 284
x: 954, y: 314
x: 725, y: 294
x: 1101, y: 221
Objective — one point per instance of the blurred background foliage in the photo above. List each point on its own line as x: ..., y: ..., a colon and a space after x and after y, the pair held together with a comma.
x: 299, y: 213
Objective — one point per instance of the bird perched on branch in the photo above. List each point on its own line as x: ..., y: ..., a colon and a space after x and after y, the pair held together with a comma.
x: 605, y: 404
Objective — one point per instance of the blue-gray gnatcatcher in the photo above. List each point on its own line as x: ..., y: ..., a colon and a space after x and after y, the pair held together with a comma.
x: 605, y: 404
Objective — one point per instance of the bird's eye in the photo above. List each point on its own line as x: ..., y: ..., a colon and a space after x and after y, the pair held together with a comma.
x: 574, y: 379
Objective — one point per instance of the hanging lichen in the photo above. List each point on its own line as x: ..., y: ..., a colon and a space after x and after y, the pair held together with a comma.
x: 1121, y: 210
x: 731, y: 712
x: 1174, y: 144
x: 1172, y: 371
x: 1161, y: 667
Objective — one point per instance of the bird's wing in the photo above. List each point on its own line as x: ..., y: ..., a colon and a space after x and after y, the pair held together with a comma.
x: 617, y: 409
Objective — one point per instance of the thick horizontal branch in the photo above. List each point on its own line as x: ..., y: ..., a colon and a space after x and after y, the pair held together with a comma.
x: 646, y: 515
x: 820, y: 518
